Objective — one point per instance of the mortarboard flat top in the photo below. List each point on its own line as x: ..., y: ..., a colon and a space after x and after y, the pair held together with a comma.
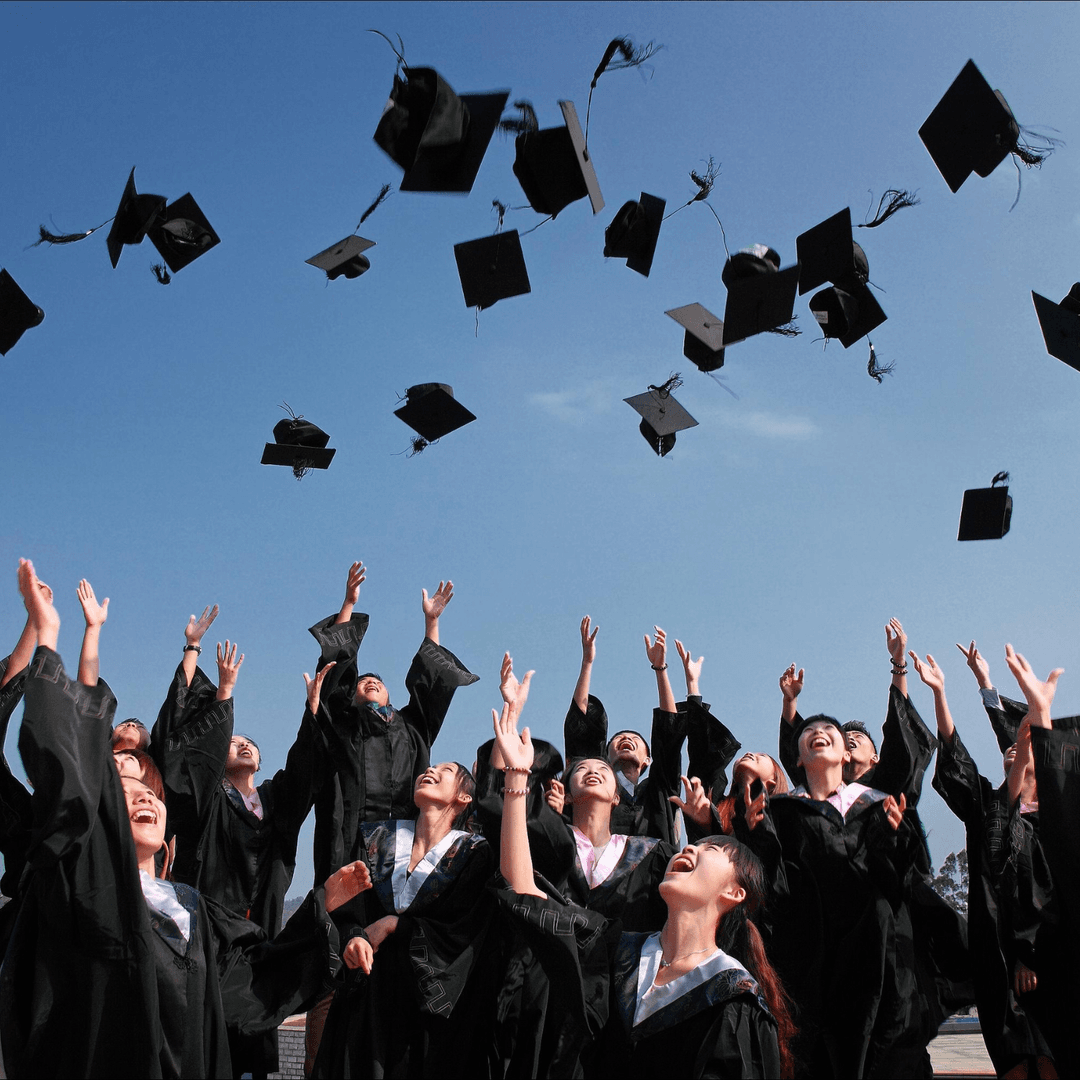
x: 971, y: 128
x: 760, y: 303
x: 1060, y: 329
x: 986, y: 514
x: 661, y: 412
x: 134, y: 215
x: 306, y: 457
x: 432, y: 410
x: 454, y: 169
x: 703, y: 342
x: 346, y: 257
x: 554, y: 168
x: 634, y: 232
x: 828, y: 252
x: 18, y: 313
x: 181, y: 234
x: 492, y: 268
x: 847, y: 315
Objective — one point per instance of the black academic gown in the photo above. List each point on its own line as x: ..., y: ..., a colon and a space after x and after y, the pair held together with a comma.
x: 832, y: 925
x: 94, y: 983
x: 1009, y: 883
x: 414, y: 1015
x: 15, y: 812
x: 378, y: 759
x: 711, y: 748
x: 721, y: 1028
x: 585, y: 734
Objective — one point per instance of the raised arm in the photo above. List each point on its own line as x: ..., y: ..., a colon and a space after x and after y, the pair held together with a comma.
x: 434, y: 606
x: 24, y: 648
x: 588, y: 655
x: 896, y: 640
x: 979, y: 667
x: 228, y: 666
x: 656, y: 651
x: 193, y: 635
x: 691, y: 669
x: 95, y: 615
x: 1039, y: 695
x: 934, y: 677
x: 356, y: 577
x: 791, y: 685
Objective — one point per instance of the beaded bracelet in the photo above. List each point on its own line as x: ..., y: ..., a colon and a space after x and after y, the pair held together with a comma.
x: 663, y: 668
x: 193, y: 648
x: 515, y: 768
x: 516, y: 791
x: 899, y: 670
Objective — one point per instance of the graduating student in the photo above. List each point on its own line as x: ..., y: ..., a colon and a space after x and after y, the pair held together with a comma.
x: 111, y: 971
x: 585, y: 734
x: 839, y: 857
x: 697, y: 998
x: 412, y: 942
x: 1010, y: 885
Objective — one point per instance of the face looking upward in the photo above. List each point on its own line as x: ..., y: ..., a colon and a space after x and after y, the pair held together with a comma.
x: 822, y: 744
x: 751, y: 767
x: 592, y: 778
x: 628, y: 748
x: 371, y: 688
x: 702, y: 875
x: 147, y: 816
x: 243, y: 754
x: 440, y: 785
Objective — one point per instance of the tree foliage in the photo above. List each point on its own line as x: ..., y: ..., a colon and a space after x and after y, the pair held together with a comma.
x: 951, y: 882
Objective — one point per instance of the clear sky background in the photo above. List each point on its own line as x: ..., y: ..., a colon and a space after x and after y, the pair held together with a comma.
x: 789, y: 526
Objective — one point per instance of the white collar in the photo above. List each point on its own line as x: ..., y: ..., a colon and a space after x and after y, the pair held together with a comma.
x: 407, y: 885
x: 651, y: 998
x: 161, y: 897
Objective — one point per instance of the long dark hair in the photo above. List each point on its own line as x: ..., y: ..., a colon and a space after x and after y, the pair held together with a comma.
x: 466, y: 785
x: 739, y: 938
x: 732, y: 802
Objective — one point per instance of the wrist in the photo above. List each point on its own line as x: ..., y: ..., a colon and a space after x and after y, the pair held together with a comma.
x: 193, y: 646
x: 660, y: 667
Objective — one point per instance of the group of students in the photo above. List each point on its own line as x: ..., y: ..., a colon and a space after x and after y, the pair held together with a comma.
x: 594, y: 914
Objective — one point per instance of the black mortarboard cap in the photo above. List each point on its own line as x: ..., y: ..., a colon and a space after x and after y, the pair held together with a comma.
x: 1061, y: 326
x: 847, y: 315
x: 432, y: 410
x: 344, y: 259
x: 300, y: 445
x: 828, y: 252
x: 438, y: 137
x: 492, y: 269
x: 971, y: 128
x: 661, y: 417
x: 18, y: 313
x: 554, y: 168
x: 986, y: 513
x: 134, y: 215
x: 760, y: 302
x: 634, y: 232
x: 703, y: 342
x: 181, y: 233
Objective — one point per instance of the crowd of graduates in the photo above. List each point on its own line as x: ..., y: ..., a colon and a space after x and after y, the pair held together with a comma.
x: 594, y: 912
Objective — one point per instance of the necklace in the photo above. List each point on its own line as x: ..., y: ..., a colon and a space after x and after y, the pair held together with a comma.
x: 667, y: 963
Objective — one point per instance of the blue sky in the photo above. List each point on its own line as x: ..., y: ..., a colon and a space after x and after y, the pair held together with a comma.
x: 788, y: 526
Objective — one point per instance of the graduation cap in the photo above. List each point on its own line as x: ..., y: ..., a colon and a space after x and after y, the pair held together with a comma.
x: 438, y: 137
x: 492, y: 269
x: 661, y: 415
x: 554, y: 167
x: 18, y: 313
x: 703, y: 341
x: 634, y: 232
x: 432, y: 411
x: 987, y: 512
x: 299, y: 444
x: 181, y: 233
x: 1061, y: 325
x: 846, y: 316
x: 344, y: 259
x: 828, y: 252
x: 135, y: 214
x: 972, y: 129
x: 760, y: 296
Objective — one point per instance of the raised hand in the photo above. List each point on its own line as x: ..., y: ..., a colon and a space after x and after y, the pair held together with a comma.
x: 657, y: 651
x: 358, y: 955
x: 977, y: 664
x: 555, y: 794
x: 1039, y: 695
x: 197, y: 627
x: 894, y: 811
x: 516, y: 750
x: 341, y: 886
x: 514, y: 693
x: 691, y: 667
x: 43, y: 617
x: 896, y: 640
x: 588, y: 641
x: 755, y: 808
x: 435, y: 605
x: 929, y: 672
x: 314, y: 686
x: 791, y: 684
x: 696, y: 804
x: 94, y: 613
x: 228, y: 665
x: 357, y: 576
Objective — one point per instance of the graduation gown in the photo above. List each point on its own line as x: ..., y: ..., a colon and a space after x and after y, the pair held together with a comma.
x: 585, y: 734
x: 833, y: 924
x: 711, y: 748
x: 94, y: 983
x: 1009, y: 884
x: 15, y: 813
x: 720, y: 1028
x: 378, y: 758
x: 413, y: 1016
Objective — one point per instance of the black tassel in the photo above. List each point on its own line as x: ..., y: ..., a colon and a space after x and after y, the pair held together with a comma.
x: 632, y: 56
x: 501, y: 208
x: 417, y: 445
x: 522, y: 124
x: 666, y: 389
x: 384, y: 191
x: 1000, y: 478
x: 893, y: 200
x: 301, y: 467
x: 873, y: 369
x: 46, y: 237
x: 399, y: 52
x: 705, y: 183
x: 163, y: 276
x: 789, y: 329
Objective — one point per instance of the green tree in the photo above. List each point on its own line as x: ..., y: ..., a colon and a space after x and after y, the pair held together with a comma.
x: 951, y: 883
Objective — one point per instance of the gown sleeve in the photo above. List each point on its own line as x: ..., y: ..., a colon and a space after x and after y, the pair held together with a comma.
x: 907, y: 745
x: 741, y: 1043
x: 15, y: 800
x: 667, y: 736
x: 585, y: 733
x: 958, y: 782
x: 308, y: 764
x: 711, y: 748
x: 433, y: 677
x: 788, y: 749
